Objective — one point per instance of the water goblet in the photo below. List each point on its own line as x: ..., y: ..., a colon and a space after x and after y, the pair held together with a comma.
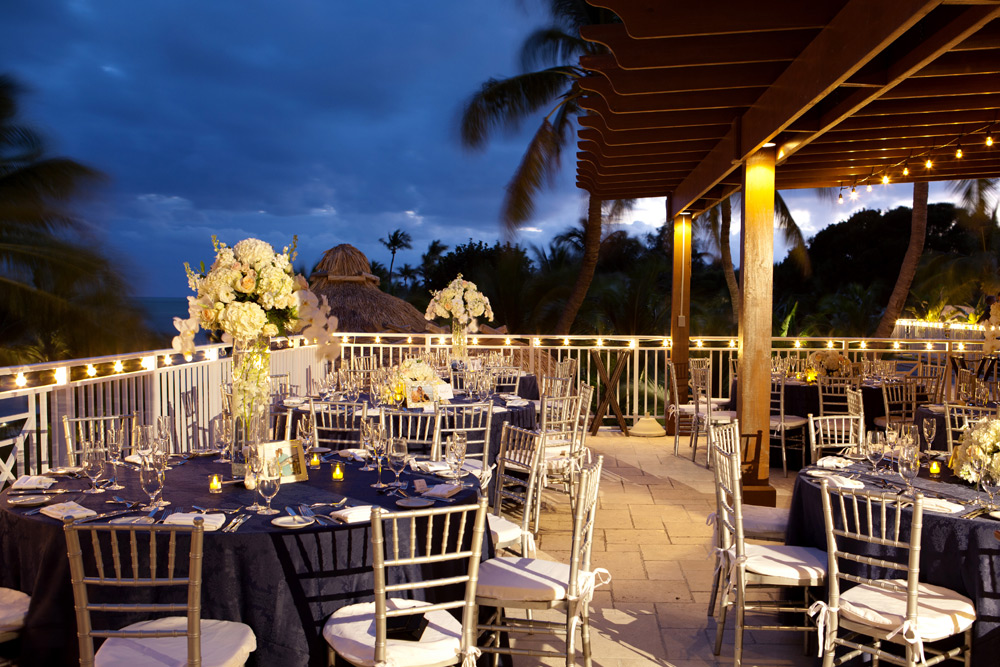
x: 908, y: 463
x: 398, y: 452
x: 875, y: 449
x: 269, y: 482
x: 115, y: 440
x: 455, y: 454
x: 990, y: 478
x: 93, y: 464
x: 142, y: 438
x: 305, y: 431
x: 930, y: 430
x: 255, y: 468
x: 977, y: 461
x: 223, y: 437
x: 161, y: 461
x: 151, y: 482
x: 369, y: 431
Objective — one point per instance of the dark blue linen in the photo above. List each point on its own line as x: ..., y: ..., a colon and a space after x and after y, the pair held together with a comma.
x: 284, y: 584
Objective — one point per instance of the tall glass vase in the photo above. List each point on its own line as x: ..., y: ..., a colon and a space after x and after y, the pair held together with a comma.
x: 459, y: 343
x: 251, y: 397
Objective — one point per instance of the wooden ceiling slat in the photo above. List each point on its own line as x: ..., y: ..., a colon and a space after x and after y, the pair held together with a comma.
x: 835, y: 140
x: 973, y: 117
x: 935, y: 175
x: 975, y: 84
x: 929, y: 105
x: 877, y: 167
x: 858, y: 33
x: 703, y: 99
x: 598, y: 132
x: 697, y: 51
x: 962, y: 62
x: 648, y: 149
x: 641, y: 159
x: 655, y: 18
x: 674, y: 80
x: 654, y: 120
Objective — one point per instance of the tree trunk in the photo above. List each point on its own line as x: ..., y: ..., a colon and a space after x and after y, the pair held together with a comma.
x: 918, y: 233
x: 727, y: 258
x: 591, y: 251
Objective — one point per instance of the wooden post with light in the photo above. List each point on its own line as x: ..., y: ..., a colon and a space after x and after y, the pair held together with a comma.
x: 753, y: 401
x: 680, y: 307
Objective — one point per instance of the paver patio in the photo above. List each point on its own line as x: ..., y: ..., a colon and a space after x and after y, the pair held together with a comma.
x: 652, y: 536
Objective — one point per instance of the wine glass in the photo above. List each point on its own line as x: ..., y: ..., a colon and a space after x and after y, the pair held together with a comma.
x: 93, y: 464
x: 397, y: 458
x: 151, y: 482
x: 930, y: 430
x: 114, y: 438
x: 875, y: 448
x: 378, y: 451
x: 369, y: 431
x: 305, y: 431
x: 990, y: 479
x: 161, y: 461
x: 977, y: 461
x: 163, y: 432
x: 455, y: 455
x: 223, y: 437
x: 255, y: 468
x: 909, y: 465
x: 269, y: 482
x: 143, y: 441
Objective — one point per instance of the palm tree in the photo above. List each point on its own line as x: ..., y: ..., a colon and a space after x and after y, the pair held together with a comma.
x: 505, y: 103
x: 60, y: 296
x: 408, y: 274
x: 398, y: 240
x: 911, y: 260
x: 435, y: 249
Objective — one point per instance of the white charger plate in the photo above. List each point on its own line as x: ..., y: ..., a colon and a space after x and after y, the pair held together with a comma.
x: 293, y: 521
x: 414, y: 502
x: 68, y: 470
x: 319, y: 450
x: 28, y: 501
x: 141, y: 519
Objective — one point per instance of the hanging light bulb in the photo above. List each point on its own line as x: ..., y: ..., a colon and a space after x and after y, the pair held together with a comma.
x: 868, y: 188
x: 906, y: 170
x: 854, y: 193
x: 958, y: 152
x: 885, y: 179
x: 928, y: 164
x: 840, y: 198
x: 989, y: 140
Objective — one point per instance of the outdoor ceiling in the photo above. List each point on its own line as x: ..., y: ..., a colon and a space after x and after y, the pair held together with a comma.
x: 849, y: 91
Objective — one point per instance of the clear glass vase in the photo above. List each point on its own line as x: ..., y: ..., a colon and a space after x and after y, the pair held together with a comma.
x: 459, y: 343
x: 251, y: 397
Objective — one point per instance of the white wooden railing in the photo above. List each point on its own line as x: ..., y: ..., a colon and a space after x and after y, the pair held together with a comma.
x: 34, y: 398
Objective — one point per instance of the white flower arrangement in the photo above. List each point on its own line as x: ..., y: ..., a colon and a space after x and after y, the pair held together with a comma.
x: 981, y: 440
x: 991, y: 341
x: 416, y: 370
x: 249, y: 291
x: 460, y: 301
x: 829, y: 362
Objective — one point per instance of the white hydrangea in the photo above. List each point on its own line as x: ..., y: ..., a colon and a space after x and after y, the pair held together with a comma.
x: 461, y: 301
x: 243, y: 320
x: 254, y: 253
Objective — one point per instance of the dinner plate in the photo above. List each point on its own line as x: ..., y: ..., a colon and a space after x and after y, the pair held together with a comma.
x: 414, y: 502
x: 293, y: 521
x: 995, y: 515
x: 141, y: 519
x: 294, y: 402
x: 204, y: 452
x: 816, y: 472
x: 28, y: 501
x: 319, y: 450
x: 447, y: 474
x: 69, y: 470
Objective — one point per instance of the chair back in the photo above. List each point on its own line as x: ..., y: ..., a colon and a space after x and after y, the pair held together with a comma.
x: 364, y: 363
x: 777, y: 395
x: 473, y: 419
x: 506, y: 379
x: 559, y: 417
x: 966, y: 385
x: 930, y: 382
x: 835, y: 432
x: 419, y: 429
x: 899, y: 397
x: 583, y: 500
x: 957, y: 418
x: 78, y: 429
x: 855, y: 518
x: 553, y: 385
x: 281, y: 388
x: 427, y: 539
x: 728, y: 488
x: 567, y: 368
x: 130, y: 556
x: 517, y: 475
x: 583, y: 412
x: 856, y: 408
x: 337, y: 425
x: 833, y: 394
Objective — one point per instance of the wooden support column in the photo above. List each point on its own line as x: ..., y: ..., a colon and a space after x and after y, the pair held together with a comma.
x: 753, y: 403
x: 680, y: 304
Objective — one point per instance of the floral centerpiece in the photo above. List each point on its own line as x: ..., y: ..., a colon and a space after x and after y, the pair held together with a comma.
x: 978, y: 450
x: 462, y: 302
x: 991, y: 340
x: 829, y: 362
x: 251, y: 294
x: 417, y: 370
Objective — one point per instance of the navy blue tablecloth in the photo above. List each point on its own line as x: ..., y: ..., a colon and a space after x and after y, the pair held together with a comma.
x: 284, y: 584
x: 961, y: 554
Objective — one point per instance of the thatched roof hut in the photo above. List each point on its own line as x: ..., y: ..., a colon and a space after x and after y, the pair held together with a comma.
x: 344, y: 276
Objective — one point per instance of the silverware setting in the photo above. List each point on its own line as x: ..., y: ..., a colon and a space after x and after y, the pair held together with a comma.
x: 235, y: 524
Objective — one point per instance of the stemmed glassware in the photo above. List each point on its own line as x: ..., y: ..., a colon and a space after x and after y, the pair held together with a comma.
x: 369, y: 431
x: 875, y: 448
x: 255, y: 468
x: 378, y: 451
x: 269, y: 481
x: 142, y: 438
x: 908, y: 462
x: 397, y: 459
x: 93, y: 464
x: 930, y: 430
x: 990, y: 479
x: 979, y: 464
x: 114, y: 438
x: 151, y: 482
x: 305, y: 431
x: 455, y: 454
x: 223, y: 428
x: 161, y: 461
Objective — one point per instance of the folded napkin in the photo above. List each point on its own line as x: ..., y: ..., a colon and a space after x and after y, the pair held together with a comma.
x: 834, y: 462
x: 845, y: 482
x: 941, y: 505
x: 432, y: 466
x: 442, y: 491
x: 134, y: 458
x: 509, y: 397
x: 62, y: 510
x: 358, y: 514
x: 212, y: 521
x: 517, y: 402
x: 353, y: 453
x: 933, y: 407
x: 497, y: 409
x: 33, y: 482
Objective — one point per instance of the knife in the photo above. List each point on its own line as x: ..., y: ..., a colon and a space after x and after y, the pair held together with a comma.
x: 105, y: 515
x: 40, y: 492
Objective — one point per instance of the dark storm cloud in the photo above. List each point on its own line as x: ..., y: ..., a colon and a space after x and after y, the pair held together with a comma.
x: 328, y: 119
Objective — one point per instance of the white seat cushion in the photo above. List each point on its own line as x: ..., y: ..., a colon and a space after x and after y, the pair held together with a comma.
x: 223, y: 644
x: 719, y: 416
x: 687, y: 408
x: 13, y: 609
x: 350, y: 631
x: 941, y: 612
x: 790, y: 421
x: 529, y: 579
x: 804, y: 564
x: 505, y: 533
x: 764, y: 523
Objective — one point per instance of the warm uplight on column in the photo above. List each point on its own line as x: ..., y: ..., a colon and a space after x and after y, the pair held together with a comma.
x: 62, y: 375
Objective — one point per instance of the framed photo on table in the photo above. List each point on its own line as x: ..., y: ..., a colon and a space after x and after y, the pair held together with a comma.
x: 420, y: 395
x: 292, y: 458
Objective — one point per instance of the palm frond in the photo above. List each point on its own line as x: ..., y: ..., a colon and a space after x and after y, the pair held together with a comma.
x: 505, y: 103
x: 551, y: 46
x: 978, y: 195
x: 538, y: 166
x: 791, y: 234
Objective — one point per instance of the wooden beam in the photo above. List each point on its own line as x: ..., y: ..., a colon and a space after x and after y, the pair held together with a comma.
x: 680, y: 297
x: 673, y: 158
x: 859, y: 32
x: 972, y: 84
x: 643, y: 121
x: 599, y: 132
x: 675, y: 80
x: 753, y: 400
x: 684, y: 101
x: 702, y: 146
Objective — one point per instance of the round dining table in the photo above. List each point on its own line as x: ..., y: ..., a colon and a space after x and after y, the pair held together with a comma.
x: 957, y: 552
x: 284, y: 583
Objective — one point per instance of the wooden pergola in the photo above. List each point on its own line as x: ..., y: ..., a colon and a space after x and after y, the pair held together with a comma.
x: 695, y: 101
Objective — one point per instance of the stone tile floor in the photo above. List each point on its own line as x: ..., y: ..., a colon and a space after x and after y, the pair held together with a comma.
x: 651, y: 535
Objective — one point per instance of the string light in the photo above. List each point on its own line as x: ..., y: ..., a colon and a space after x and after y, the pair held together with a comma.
x: 885, y: 179
x: 906, y: 170
x: 958, y: 151
x: 840, y: 197
x: 20, y: 380
x: 868, y: 188
x: 854, y: 193
x: 989, y: 140
x: 928, y: 163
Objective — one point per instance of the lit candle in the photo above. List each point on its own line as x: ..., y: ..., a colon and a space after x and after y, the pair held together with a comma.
x: 215, y: 484
x: 314, y: 461
x: 338, y: 472
x: 935, y: 468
